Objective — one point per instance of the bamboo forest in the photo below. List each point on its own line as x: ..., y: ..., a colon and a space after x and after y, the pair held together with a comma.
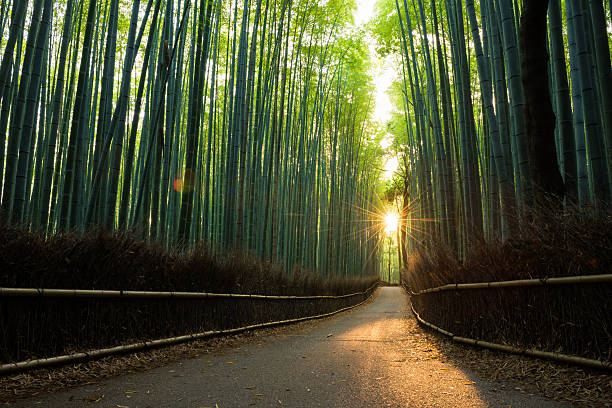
x: 239, y: 164
x: 242, y: 124
x: 249, y: 124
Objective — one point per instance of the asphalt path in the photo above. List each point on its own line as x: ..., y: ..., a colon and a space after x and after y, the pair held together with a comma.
x: 375, y: 356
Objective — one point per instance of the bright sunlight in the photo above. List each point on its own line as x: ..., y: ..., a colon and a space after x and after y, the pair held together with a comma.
x: 391, y: 222
x: 391, y: 166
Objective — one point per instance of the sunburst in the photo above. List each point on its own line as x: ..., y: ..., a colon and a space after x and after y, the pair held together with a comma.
x: 391, y: 220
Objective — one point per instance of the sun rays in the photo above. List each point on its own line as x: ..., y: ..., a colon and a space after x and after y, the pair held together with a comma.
x: 389, y: 220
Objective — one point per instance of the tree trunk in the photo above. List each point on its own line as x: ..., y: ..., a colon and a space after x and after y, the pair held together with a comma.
x: 538, y: 112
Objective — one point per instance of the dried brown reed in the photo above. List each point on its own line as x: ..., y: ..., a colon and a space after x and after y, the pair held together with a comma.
x: 44, y: 327
x: 574, y: 319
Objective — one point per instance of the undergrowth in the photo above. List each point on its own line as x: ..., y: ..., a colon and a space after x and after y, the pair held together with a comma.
x: 572, y: 319
x: 119, y: 261
x: 48, y: 326
x: 572, y: 243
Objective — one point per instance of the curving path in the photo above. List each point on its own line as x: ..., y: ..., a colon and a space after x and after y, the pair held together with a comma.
x: 376, y: 356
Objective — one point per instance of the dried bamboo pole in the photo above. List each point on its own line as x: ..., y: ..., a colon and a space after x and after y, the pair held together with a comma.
x: 568, y: 280
x: 65, y: 293
x: 94, y: 354
x: 587, y: 362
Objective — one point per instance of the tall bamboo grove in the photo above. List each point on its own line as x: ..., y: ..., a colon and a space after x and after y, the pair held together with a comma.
x: 243, y: 124
x: 460, y: 129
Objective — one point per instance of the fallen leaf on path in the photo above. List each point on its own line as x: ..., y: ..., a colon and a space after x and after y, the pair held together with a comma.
x: 93, y: 398
x: 259, y: 395
x: 469, y: 383
x: 443, y: 368
x: 229, y: 362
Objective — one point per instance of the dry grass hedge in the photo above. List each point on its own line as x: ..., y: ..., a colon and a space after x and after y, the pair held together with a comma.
x: 44, y: 327
x: 102, y: 260
x: 573, y: 319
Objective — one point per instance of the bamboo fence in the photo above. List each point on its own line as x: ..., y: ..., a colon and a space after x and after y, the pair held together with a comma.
x: 569, y: 280
x: 10, y: 368
x: 606, y: 365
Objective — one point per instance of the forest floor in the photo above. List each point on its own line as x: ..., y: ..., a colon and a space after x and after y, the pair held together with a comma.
x: 376, y: 355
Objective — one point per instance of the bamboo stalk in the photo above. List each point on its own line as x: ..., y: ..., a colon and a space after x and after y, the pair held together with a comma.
x: 568, y: 280
x: 587, y: 362
x: 40, y: 292
x: 94, y: 354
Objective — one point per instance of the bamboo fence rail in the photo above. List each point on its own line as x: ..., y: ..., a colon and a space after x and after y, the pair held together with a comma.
x: 606, y: 365
x: 66, y: 293
x: 569, y: 280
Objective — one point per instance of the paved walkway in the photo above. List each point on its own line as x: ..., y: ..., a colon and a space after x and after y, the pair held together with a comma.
x: 376, y: 356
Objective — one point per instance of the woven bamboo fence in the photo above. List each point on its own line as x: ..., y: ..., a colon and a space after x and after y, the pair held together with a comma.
x: 41, y: 327
x: 570, y: 316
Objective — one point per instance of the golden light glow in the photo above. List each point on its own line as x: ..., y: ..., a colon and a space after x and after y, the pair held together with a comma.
x: 391, y: 222
x: 390, y: 167
x: 382, y: 221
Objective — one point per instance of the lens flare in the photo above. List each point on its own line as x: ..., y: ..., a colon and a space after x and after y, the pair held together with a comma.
x: 178, y: 185
x: 186, y: 183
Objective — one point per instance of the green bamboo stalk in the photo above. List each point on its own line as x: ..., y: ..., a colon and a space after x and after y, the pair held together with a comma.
x: 594, y: 134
